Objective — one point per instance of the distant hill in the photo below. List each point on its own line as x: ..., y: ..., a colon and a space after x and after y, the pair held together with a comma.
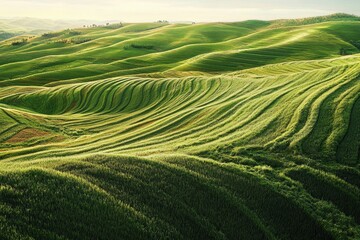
x: 6, y: 35
x: 18, y: 26
x: 95, y: 53
x: 313, y: 20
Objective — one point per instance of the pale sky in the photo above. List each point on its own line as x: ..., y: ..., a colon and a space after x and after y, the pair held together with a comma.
x: 175, y: 10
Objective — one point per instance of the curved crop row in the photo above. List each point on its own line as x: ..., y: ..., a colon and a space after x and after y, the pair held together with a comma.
x: 297, y: 111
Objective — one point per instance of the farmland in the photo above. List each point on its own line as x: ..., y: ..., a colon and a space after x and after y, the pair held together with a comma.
x: 247, y: 130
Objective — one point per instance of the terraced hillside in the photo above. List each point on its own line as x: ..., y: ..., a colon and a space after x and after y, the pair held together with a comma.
x: 245, y: 130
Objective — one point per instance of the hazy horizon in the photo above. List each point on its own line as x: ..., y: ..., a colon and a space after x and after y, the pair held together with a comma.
x: 174, y: 10
x: 103, y: 21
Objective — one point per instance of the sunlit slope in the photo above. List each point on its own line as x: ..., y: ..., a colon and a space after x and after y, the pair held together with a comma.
x: 281, y: 45
x: 308, y: 108
x: 97, y: 53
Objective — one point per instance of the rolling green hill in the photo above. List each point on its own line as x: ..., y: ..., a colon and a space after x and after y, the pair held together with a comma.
x: 246, y: 130
x: 98, y: 53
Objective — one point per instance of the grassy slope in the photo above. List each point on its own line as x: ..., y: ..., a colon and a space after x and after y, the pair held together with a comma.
x: 219, y: 47
x: 267, y: 152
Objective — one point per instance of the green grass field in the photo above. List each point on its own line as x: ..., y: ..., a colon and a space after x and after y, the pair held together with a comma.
x: 247, y: 130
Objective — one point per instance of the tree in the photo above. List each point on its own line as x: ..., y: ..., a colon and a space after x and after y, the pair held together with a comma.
x: 343, y: 51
